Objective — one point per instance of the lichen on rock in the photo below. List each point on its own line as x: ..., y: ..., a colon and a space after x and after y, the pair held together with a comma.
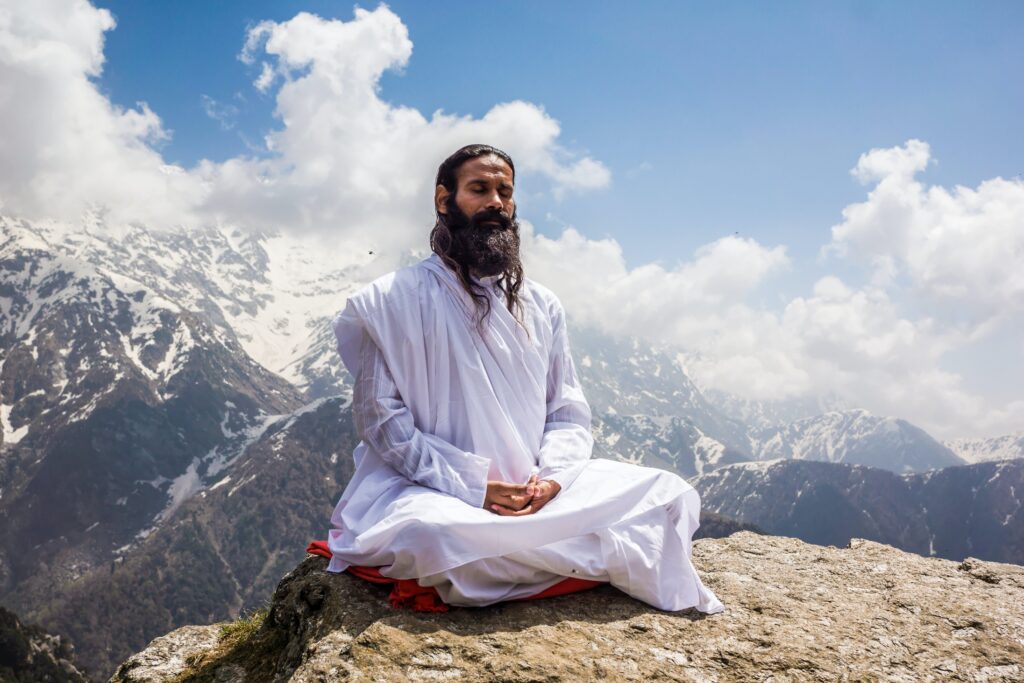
x: 794, y: 611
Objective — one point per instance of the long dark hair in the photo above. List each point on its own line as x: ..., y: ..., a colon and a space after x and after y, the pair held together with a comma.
x: 510, y: 281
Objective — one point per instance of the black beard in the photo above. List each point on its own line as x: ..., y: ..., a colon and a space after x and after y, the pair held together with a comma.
x: 486, y: 249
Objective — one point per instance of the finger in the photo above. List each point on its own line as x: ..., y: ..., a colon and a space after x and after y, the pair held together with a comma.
x: 510, y: 490
x: 531, y: 485
x: 541, y: 500
x: 509, y: 512
x: 515, y: 502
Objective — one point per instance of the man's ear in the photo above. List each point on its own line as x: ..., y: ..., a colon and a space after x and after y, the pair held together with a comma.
x: 441, y: 199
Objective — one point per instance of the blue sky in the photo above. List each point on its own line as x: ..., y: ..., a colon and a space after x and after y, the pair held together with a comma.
x: 713, y: 118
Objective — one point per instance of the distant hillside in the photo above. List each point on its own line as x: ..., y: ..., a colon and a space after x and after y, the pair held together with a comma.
x: 1006, y: 447
x: 854, y: 437
x: 956, y: 512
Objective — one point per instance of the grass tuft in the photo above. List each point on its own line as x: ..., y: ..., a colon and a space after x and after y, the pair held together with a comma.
x: 244, y: 627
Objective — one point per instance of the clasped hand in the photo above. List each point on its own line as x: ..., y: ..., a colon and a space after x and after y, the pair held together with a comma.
x: 517, y: 500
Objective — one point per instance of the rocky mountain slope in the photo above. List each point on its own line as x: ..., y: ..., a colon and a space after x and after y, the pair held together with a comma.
x: 222, y: 551
x: 854, y: 437
x: 973, y: 510
x: 793, y: 612
x: 29, y: 654
x: 648, y: 411
x: 1006, y: 447
x: 117, y: 405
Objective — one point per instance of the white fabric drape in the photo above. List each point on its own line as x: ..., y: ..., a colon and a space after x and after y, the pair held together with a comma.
x: 441, y: 407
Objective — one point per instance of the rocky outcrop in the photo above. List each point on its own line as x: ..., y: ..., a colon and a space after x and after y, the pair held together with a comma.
x: 794, y: 612
x: 28, y: 653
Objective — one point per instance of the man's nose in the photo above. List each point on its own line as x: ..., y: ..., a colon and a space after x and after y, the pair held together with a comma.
x: 494, y: 202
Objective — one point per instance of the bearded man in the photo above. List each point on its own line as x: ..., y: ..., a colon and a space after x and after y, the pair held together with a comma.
x: 474, y: 473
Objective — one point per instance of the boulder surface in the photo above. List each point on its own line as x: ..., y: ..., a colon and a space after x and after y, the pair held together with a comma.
x: 794, y: 612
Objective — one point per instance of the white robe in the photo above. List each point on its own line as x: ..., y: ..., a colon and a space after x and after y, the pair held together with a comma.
x: 441, y: 409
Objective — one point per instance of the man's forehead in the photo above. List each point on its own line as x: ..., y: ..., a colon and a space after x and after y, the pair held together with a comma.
x: 487, y: 167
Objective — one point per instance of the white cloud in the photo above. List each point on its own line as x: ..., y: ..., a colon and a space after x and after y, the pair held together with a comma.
x: 349, y: 164
x: 223, y: 114
x: 65, y: 146
x: 699, y: 305
x: 648, y: 297
x: 342, y: 162
x: 960, y: 248
x: 850, y: 342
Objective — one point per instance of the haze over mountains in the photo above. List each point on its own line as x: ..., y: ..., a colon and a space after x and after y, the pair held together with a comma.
x: 175, y: 426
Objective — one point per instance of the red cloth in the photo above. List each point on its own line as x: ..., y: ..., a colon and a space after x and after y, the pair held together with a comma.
x: 408, y: 594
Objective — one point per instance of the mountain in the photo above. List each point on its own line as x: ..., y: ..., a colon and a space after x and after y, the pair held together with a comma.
x: 793, y: 612
x: 117, y: 405
x: 955, y: 512
x: 984, y: 450
x: 224, y: 548
x: 854, y: 437
x: 648, y: 411
x: 274, y: 295
x: 668, y: 442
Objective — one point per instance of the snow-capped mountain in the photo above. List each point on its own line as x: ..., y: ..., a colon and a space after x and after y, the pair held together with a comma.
x: 1006, y: 447
x: 955, y: 512
x: 272, y: 294
x: 118, y: 404
x: 854, y: 437
x: 648, y: 411
x: 666, y: 441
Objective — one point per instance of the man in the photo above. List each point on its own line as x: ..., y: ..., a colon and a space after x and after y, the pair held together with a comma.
x: 474, y: 473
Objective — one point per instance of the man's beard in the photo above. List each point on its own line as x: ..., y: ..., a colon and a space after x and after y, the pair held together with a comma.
x: 486, y: 249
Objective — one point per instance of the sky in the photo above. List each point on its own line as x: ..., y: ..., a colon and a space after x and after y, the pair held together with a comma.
x: 808, y: 198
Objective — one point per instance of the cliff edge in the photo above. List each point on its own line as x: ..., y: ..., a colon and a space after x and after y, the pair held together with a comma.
x: 794, y: 611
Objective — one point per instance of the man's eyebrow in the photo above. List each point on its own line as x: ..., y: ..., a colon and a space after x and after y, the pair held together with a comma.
x: 484, y: 181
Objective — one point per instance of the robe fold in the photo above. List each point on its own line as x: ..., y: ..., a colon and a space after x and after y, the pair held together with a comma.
x: 442, y: 406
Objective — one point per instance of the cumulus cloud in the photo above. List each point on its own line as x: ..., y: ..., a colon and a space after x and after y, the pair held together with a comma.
x: 65, y: 146
x: 342, y: 161
x: 961, y: 248
x: 346, y: 162
x: 700, y: 305
x: 840, y: 340
x: 650, y: 297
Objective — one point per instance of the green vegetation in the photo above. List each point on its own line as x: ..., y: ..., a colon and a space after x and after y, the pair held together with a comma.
x: 243, y: 628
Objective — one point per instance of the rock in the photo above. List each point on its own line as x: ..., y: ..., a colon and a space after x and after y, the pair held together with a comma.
x: 28, y: 653
x: 169, y: 655
x: 794, y: 611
